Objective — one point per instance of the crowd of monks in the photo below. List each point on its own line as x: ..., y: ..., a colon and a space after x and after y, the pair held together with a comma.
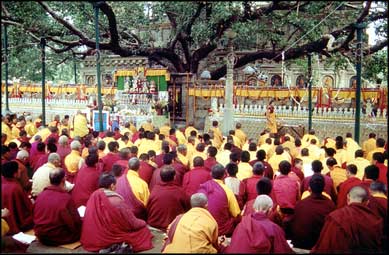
x: 207, y: 192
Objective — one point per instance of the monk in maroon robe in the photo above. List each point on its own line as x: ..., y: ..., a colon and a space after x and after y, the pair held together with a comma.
x: 112, y: 156
x: 168, y: 160
x: 35, y: 158
x: 146, y: 169
x: 223, y: 207
x: 211, y: 159
x: 22, y: 160
x: 86, y: 180
x: 309, y: 215
x: 15, y: 199
x: 378, y: 160
x: 351, y: 229
x: 159, y: 158
x: 108, y: 220
x: 166, y: 201
x: 261, y: 157
x: 124, y: 155
x: 329, y: 188
x: 51, y: 148
x: 198, y: 175
x: 378, y: 203
x: 286, y: 189
x: 249, y: 185
x: 124, y: 189
x: 257, y: 234
x: 55, y: 215
x: 344, y: 187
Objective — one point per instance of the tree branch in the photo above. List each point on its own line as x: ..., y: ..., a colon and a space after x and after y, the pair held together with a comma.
x: 66, y: 24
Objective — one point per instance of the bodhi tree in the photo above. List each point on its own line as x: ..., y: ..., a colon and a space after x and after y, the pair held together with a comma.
x: 197, y: 28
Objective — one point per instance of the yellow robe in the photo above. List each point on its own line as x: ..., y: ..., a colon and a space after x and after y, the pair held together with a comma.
x: 271, y: 123
x: 139, y: 187
x: 164, y: 130
x: 196, y: 232
x: 7, y: 130
x: 245, y: 170
x: 80, y: 126
x: 241, y: 135
x: 190, y: 129
x: 368, y: 145
x: 180, y: 137
x: 370, y: 154
x: 361, y: 164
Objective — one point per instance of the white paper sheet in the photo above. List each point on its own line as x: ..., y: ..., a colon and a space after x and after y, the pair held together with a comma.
x: 24, y: 238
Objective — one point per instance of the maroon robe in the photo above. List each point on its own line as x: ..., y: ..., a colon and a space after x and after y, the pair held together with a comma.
x: 268, y: 172
x: 33, y: 149
x: 108, y: 220
x: 328, y: 186
x: 382, y: 174
x: 156, y: 177
x: 23, y: 179
x: 166, y: 201
x: 108, y: 161
x: 159, y: 160
x: 218, y: 206
x: 193, y: 179
x: 145, y: 171
x: 379, y: 206
x: 298, y: 172
x: 123, y: 163
x: 52, y: 135
x: 42, y: 160
x: 34, y: 160
x: 308, y: 220
x: 63, y: 152
x: 286, y: 191
x: 249, y: 187
x: 15, y: 199
x: 209, y: 163
x: 350, y: 229
x: 56, y: 217
x: 85, y: 183
x: 180, y: 172
x: 124, y: 189
x: 344, y: 188
x: 257, y: 234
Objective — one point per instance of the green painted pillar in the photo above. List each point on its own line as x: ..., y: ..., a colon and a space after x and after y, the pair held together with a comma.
x: 309, y: 91
x: 98, y: 73
x: 43, y: 45
x: 359, y: 27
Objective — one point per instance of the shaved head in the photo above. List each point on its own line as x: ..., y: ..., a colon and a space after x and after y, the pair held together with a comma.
x: 198, y: 200
x: 263, y: 203
x: 357, y: 195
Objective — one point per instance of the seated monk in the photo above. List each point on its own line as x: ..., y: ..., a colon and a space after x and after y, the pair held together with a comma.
x: 111, y: 157
x: 257, y: 234
x: 86, y: 181
x: 249, y: 184
x: 196, y: 176
x: 55, y: 215
x: 167, y: 200
x: 15, y: 199
x: 309, y: 215
x: 378, y: 203
x: 344, y: 187
x: 351, y: 229
x: 133, y: 189
x: 211, y: 159
x: 146, y: 168
x: 222, y: 202
x: 195, y: 231
x: 261, y: 157
x: 109, y: 220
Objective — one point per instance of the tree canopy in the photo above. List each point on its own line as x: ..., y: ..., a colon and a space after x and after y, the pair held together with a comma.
x: 264, y: 30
